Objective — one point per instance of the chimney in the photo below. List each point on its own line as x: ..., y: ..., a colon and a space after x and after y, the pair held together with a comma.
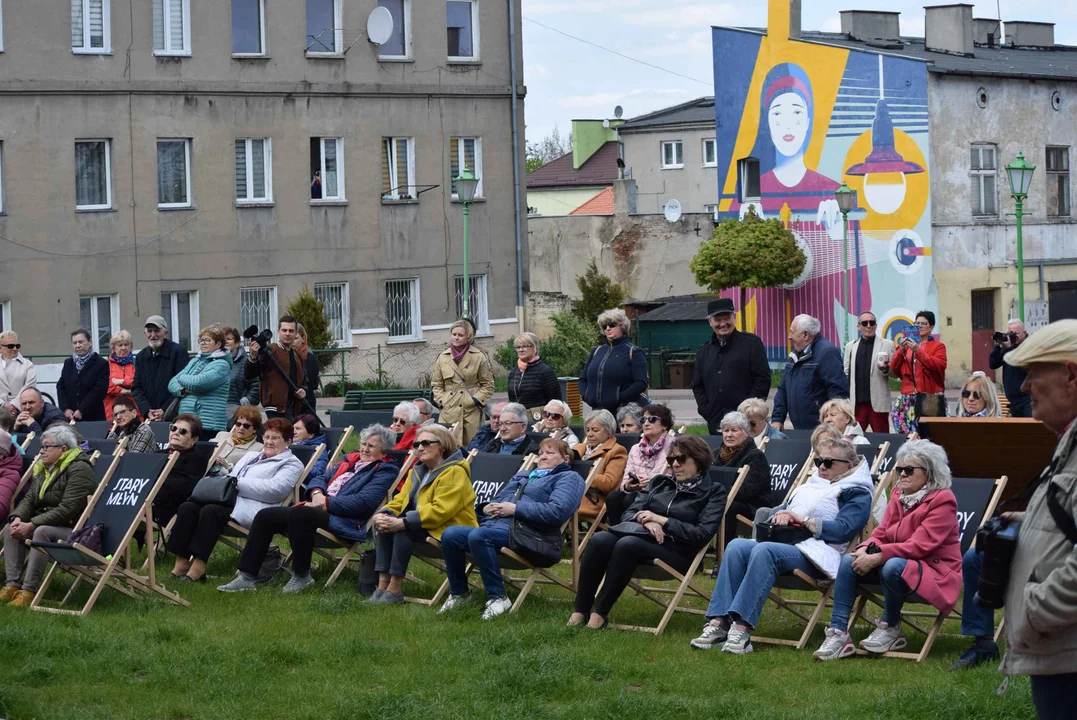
x: 783, y: 19
x: 986, y: 31
x: 948, y: 29
x: 870, y: 24
x: 1021, y: 33
x: 624, y: 197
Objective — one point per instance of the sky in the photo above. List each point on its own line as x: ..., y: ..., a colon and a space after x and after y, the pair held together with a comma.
x: 568, y: 79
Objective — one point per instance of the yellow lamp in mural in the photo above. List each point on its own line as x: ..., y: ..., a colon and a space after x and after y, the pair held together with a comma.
x: 884, y: 169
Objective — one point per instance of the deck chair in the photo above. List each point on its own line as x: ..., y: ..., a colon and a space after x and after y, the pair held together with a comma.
x: 360, y: 418
x: 976, y: 500
x: 122, y: 502
x: 27, y: 440
x: 94, y: 429
x: 790, y: 465
x: 106, y: 447
x: 32, y: 445
x: 335, y: 439
x: 160, y: 431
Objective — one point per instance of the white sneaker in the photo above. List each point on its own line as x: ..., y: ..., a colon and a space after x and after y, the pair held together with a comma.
x: 713, y: 634
x: 836, y: 646
x: 495, y: 607
x: 884, y: 639
x: 454, y: 602
x: 739, y: 640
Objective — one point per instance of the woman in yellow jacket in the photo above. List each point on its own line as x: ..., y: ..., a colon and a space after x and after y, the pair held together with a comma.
x: 462, y: 382
x: 437, y: 494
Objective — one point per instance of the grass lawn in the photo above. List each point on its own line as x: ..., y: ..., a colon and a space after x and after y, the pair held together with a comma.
x: 325, y: 654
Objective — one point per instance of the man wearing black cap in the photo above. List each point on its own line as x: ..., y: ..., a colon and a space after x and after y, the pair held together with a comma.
x: 155, y: 365
x: 731, y: 368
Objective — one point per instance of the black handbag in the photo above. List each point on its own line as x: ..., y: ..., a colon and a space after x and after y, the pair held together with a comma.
x: 540, y: 547
x: 216, y: 490
x: 784, y: 534
x: 927, y: 404
x: 88, y: 537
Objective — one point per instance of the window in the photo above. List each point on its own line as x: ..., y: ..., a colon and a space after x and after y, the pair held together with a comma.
x: 710, y: 209
x: 465, y: 152
x: 5, y: 315
x: 258, y: 306
x: 398, y: 168
x: 710, y: 153
x: 1, y: 180
x: 672, y: 155
x: 248, y: 27
x: 324, y: 31
x: 984, y: 174
x: 171, y: 27
x: 173, y: 173
x: 93, y: 175
x: 180, y: 309
x: 1058, y: 182
x: 402, y: 309
x: 1, y: 35
x: 334, y: 297
x: 100, y: 314
x: 399, y: 44
x: 477, y: 308
x: 327, y: 168
x: 462, y: 25
x: 748, y: 179
x: 254, y: 171
x: 91, y: 26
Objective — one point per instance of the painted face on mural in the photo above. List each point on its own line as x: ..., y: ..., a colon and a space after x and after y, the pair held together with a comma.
x: 788, y: 119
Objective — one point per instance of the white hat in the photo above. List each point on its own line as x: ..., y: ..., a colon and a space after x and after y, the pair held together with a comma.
x: 1056, y: 343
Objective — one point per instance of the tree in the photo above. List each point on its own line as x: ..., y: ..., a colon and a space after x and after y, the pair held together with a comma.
x: 565, y: 351
x: 310, y: 312
x: 597, y: 294
x: 548, y: 148
x: 749, y: 253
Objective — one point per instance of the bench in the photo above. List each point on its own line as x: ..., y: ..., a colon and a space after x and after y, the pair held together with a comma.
x: 383, y: 399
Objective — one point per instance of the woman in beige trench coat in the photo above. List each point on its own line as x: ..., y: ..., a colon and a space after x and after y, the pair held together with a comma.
x: 462, y: 381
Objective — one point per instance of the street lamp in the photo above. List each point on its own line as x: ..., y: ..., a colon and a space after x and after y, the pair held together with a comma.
x: 1020, y: 173
x: 844, y: 195
x: 466, y: 185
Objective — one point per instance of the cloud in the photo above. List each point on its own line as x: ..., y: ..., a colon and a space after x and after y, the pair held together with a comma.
x: 553, y: 7
x: 606, y: 100
x: 697, y: 43
x: 536, y: 70
x: 700, y: 15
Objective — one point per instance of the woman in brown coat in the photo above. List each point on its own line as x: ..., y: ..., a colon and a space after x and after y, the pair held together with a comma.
x: 462, y: 381
x: 599, y: 428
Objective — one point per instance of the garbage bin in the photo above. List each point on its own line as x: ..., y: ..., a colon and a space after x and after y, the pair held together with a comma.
x: 570, y: 393
x: 680, y: 373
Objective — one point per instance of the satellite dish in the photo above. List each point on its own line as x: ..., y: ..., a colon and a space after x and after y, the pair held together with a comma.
x: 379, y: 25
x: 618, y: 112
x: 605, y: 123
x: 673, y: 211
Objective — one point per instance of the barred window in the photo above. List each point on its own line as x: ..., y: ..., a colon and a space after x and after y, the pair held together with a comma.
x: 258, y: 306
x: 334, y: 297
x: 402, y: 309
x: 477, y: 305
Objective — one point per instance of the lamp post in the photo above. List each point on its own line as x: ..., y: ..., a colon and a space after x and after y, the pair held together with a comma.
x: 844, y: 195
x: 466, y: 185
x: 1020, y: 173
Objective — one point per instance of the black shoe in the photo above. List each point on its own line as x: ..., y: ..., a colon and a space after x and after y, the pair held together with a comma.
x: 976, y: 655
x: 189, y: 579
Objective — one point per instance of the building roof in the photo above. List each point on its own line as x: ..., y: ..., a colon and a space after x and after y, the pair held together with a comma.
x: 683, y: 307
x: 694, y: 112
x: 600, y: 169
x: 601, y: 204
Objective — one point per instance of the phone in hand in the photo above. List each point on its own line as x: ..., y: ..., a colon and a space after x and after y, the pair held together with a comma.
x: 634, y: 483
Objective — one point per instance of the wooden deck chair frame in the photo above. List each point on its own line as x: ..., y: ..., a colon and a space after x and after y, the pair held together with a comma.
x: 109, y: 571
x: 339, y: 449
x: 909, y: 617
x: 26, y: 441
x: 802, y: 476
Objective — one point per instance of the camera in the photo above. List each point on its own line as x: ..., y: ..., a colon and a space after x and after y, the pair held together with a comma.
x: 262, y: 338
x: 998, y: 542
x: 1001, y: 337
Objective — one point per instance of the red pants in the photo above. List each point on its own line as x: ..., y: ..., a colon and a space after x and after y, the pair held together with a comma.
x: 879, y: 422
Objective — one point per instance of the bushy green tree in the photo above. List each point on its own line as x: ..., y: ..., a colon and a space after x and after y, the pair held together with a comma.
x: 597, y: 293
x: 748, y: 253
x: 310, y: 312
x: 565, y: 351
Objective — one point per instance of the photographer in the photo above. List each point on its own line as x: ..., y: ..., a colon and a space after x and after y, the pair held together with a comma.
x: 1012, y: 377
x: 280, y: 382
x: 1041, y: 598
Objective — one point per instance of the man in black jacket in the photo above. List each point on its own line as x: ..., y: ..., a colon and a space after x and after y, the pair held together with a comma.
x: 155, y: 365
x: 1012, y: 376
x: 730, y: 368
x: 83, y: 380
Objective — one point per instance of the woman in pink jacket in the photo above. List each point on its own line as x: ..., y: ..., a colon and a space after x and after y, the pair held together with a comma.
x: 916, y: 549
x: 646, y: 459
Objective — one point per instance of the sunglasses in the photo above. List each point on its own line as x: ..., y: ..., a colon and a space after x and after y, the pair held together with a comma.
x: 607, y: 326
x: 679, y: 459
x: 906, y: 469
x: 399, y: 421
x: 552, y: 416
x: 971, y: 394
x: 424, y: 443
x: 245, y: 425
x: 178, y: 430
x: 828, y: 462
x: 867, y: 323
x: 651, y: 419
x: 13, y: 346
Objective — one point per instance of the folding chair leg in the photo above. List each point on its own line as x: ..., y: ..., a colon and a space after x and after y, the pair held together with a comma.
x: 340, y: 566
x: 672, y: 607
x: 524, y: 591
x: 813, y: 620
x: 998, y: 632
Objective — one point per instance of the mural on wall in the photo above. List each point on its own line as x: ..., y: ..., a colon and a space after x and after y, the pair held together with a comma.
x: 812, y: 117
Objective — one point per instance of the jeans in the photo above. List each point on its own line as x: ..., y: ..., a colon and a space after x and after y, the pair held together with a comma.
x: 392, y: 551
x: 975, y: 620
x: 894, y: 589
x: 301, y: 525
x: 1053, y: 695
x: 25, y: 567
x: 612, y: 560
x: 748, y: 572
x: 483, y: 543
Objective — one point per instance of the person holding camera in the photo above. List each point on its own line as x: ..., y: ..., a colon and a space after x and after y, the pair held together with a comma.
x: 1041, y: 596
x: 279, y: 369
x: 920, y: 361
x: 1013, y: 377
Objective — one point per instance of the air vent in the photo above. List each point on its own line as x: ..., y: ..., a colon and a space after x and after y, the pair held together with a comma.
x: 981, y: 97
x: 1056, y: 100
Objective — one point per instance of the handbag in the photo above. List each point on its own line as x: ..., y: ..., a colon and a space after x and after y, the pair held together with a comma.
x: 540, y: 547
x: 172, y: 410
x: 88, y: 537
x: 784, y: 534
x: 631, y: 529
x: 216, y: 490
x: 927, y: 404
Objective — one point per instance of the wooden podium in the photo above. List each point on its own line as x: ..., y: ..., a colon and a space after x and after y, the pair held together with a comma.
x: 1019, y: 448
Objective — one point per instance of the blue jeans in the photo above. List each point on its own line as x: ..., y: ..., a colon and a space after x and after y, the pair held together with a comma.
x: 975, y: 620
x: 483, y: 543
x: 748, y: 572
x: 894, y: 589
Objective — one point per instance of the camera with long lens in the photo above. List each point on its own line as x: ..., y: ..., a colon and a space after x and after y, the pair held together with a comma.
x: 1001, y: 337
x: 262, y: 338
x: 998, y: 542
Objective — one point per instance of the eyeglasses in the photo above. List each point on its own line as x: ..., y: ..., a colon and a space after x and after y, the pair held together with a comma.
x: 679, y: 459
x: 117, y: 410
x: 424, y: 444
x: 272, y: 438
x: 828, y: 462
x: 50, y: 447
x: 971, y: 394
x: 922, y: 323
x: 178, y: 430
x: 13, y: 346
x: 651, y: 419
x: 521, y: 348
x: 202, y: 340
x: 867, y: 323
x: 552, y: 416
x: 245, y: 425
x: 513, y: 422
x: 907, y: 469
x: 399, y: 421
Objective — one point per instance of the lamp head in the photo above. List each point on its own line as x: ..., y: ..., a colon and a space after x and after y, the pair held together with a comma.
x: 1020, y: 173
x: 844, y: 195
x: 466, y: 185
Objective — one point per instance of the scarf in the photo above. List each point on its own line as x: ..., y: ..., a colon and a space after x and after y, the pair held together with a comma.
x: 726, y: 454
x: 339, y: 480
x: 538, y: 472
x: 688, y: 484
x: 126, y: 360
x: 216, y: 354
x: 242, y: 443
x: 647, y: 450
x: 524, y: 364
x: 458, y: 355
x: 80, y: 362
x: 982, y: 413
x: 912, y: 500
x: 53, y: 472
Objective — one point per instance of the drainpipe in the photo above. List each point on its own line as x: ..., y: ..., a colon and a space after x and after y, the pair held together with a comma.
x: 516, y: 158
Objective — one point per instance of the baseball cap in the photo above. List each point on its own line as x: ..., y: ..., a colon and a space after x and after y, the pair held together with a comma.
x: 156, y: 321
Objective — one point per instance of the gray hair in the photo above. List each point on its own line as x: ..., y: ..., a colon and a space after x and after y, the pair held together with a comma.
x: 843, y: 449
x: 738, y: 420
x: 528, y: 338
x: 565, y: 409
x: 408, y: 410
x: 426, y: 408
x: 382, y: 433
x: 630, y: 409
x: 808, y: 324
x: 754, y: 408
x: 517, y: 410
x: 603, y: 418
x: 61, y: 435
x: 933, y: 457
x: 616, y: 316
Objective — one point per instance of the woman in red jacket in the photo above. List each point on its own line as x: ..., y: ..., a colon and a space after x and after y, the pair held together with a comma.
x: 121, y: 371
x: 921, y: 364
x: 916, y: 548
